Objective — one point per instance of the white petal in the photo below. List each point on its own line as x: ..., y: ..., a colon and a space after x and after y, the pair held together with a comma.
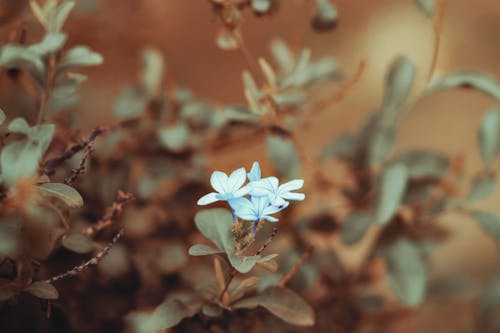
x: 242, y: 191
x: 291, y: 185
x: 293, y: 196
x: 270, y: 219
x: 208, y: 199
x: 279, y: 202
x: 273, y: 209
x: 236, y: 179
x: 265, y: 186
x: 219, y: 181
x: 254, y: 173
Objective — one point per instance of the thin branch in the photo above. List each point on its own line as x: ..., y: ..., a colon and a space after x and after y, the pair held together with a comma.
x: 80, y: 170
x: 112, y: 213
x: 91, y: 262
x: 50, y: 166
x: 295, y: 269
x: 437, y: 24
x: 268, y: 241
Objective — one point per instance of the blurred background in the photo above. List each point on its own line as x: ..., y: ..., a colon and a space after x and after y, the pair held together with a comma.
x: 371, y: 31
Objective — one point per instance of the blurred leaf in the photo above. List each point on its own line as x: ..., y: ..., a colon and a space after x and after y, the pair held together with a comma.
x: 423, y: 163
x: 391, y: 189
x: 130, y: 103
x: 261, y: 6
x: 65, y: 92
x: 489, y: 222
x: 10, y: 231
x: 355, y: 226
x: 469, y: 79
x: 326, y: 16
x: 283, y: 55
x: 51, y: 43
x: 283, y: 303
x: 370, y: 303
x: 428, y: 7
x: 406, y: 271
x: 283, y: 156
x: 381, y: 144
x: 226, y: 40
x: 298, y: 76
x: 342, y: 146
x: 166, y: 315
x: 482, y: 187
x: 52, y: 15
x: 252, y: 92
x: 489, y: 302
x: 398, y: 83
x: 202, y: 250
x: 174, y: 138
x: 211, y: 310
x: 116, y: 263
x: 153, y: 70
x: 20, y: 159
x: 79, y: 56
x: 17, y: 56
x: 2, y: 117
x: 489, y: 136
x: 78, y: 243
x: 42, y: 290
x: 63, y: 192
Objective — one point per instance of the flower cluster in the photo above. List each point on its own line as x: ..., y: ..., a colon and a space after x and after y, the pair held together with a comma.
x: 255, y: 201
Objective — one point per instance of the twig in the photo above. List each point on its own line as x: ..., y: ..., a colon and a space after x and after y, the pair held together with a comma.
x: 50, y: 166
x: 294, y: 270
x: 92, y: 262
x: 232, y: 273
x: 437, y: 24
x: 112, y: 213
x: 81, y: 167
x: 267, y: 242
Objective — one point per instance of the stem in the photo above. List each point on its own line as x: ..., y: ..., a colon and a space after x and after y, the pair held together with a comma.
x: 45, y: 96
x: 438, y: 26
x: 294, y: 270
x: 232, y: 273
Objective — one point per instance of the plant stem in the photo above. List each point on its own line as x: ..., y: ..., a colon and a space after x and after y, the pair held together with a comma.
x: 294, y: 270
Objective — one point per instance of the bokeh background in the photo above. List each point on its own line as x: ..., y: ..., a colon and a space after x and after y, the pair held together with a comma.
x: 371, y: 31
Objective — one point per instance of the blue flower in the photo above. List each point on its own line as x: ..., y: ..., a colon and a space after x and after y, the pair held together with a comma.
x: 278, y: 194
x: 256, y: 209
x: 227, y: 188
x: 254, y: 173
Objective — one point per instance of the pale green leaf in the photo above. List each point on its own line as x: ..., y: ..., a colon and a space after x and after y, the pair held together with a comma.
x: 428, y: 7
x: 42, y: 290
x: 175, y: 137
x: 469, y: 79
x: 482, y: 187
x: 63, y: 192
x: 391, y: 188
x: 78, y: 243
x: 202, y: 250
x: 489, y: 222
x: 406, y: 271
x: 283, y: 303
x: 355, y: 226
x: 423, y: 163
x: 489, y: 136
x: 283, y: 156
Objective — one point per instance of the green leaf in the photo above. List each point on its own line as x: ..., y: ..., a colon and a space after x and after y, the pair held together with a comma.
x: 211, y: 310
x: 406, y: 271
x: 65, y: 93
x: 482, y: 187
x: 282, y: 55
x: 153, y: 71
x: 20, y: 159
x: 174, y: 138
x: 226, y: 40
x: 428, y: 7
x: 489, y: 136
x: 216, y: 225
x: 166, y: 315
x: 326, y: 16
x: 423, y: 163
x: 51, y: 43
x: 283, y: 156
x: 2, y: 117
x: 344, y: 147
x: 20, y: 57
x: 202, y: 250
x: 61, y: 14
x: 63, y: 192
x: 261, y: 6
x: 489, y: 301
x: 489, y: 222
x: 130, y: 103
x: 77, y: 243
x: 381, y: 144
x: 42, y: 290
x: 355, y: 226
x: 469, y: 79
x: 391, y: 189
x: 79, y: 56
x: 242, y: 264
x: 283, y: 303
x: 398, y: 84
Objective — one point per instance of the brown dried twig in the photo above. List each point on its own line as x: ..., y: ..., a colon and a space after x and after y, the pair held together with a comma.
x: 112, y: 213
x: 267, y: 242
x: 294, y: 270
x: 80, y: 170
x: 91, y: 262
x: 50, y: 166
